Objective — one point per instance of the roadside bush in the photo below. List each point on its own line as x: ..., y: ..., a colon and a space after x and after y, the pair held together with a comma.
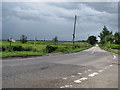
x: 115, y: 46
x: 17, y: 48
x: 8, y: 48
x: 50, y: 49
x: 62, y: 49
x: 28, y: 49
x: 77, y: 46
x: 3, y: 48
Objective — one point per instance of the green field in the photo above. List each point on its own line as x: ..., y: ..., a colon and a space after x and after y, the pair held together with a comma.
x: 24, y: 50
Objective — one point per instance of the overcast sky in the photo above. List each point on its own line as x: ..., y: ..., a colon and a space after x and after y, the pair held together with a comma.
x: 49, y: 19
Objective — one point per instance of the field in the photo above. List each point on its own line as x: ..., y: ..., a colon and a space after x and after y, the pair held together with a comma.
x: 18, y: 49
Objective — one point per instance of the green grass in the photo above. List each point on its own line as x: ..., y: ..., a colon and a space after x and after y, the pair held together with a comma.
x: 64, y: 47
x: 109, y: 50
x: 21, y: 54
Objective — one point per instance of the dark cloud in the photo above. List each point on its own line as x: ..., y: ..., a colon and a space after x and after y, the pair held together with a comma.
x: 46, y: 20
x: 0, y: 21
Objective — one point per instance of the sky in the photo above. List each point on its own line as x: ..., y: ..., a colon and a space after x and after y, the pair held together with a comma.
x: 46, y: 20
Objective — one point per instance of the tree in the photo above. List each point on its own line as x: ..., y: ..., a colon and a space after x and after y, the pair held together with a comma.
x: 23, y: 39
x: 105, y: 32
x: 108, y: 38
x: 117, y: 38
x: 92, y: 40
x: 55, y: 39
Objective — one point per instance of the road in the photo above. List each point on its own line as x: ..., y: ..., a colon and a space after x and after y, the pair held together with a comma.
x: 91, y: 68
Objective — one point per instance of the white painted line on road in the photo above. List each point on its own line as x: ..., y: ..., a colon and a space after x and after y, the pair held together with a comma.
x: 100, y: 71
x: 66, y: 86
x: 79, y: 73
x: 110, y: 65
x: 65, y: 78
x: 72, y: 76
x: 114, y: 57
x: 77, y: 81
x: 84, y: 78
x: 93, y: 74
x: 80, y: 80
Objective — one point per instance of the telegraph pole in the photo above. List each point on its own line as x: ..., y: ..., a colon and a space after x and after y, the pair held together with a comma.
x: 74, y: 30
x: 35, y: 38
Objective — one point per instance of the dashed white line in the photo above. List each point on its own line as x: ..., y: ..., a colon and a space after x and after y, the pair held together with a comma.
x: 72, y: 76
x: 84, y: 78
x: 93, y: 74
x: 77, y: 81
x: 79, y: 73
x: 80, y: 80
x: 66, y: 86
x: 110, y: 65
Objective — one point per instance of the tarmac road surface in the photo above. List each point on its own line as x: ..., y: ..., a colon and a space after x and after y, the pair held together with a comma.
x: 91, y: 68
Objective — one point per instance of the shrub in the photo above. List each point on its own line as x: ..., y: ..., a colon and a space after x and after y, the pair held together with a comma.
x: 62, y: 49
x: 8, y: 48
x: 50, y: 49
x: 115, y: 46
x: 77, y: 46
x: 3, y: 48
x: 28, y: 49
x: 17, y: 48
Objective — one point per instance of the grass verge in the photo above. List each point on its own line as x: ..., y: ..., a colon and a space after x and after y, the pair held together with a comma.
x: 35, y: 53
x: 110, y: 50
x: 21, y: 54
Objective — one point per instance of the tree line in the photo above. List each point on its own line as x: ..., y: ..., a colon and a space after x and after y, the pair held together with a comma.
x: 105, y: 36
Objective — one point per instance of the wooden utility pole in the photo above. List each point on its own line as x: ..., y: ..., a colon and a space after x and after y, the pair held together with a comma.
x: 35, y: 42
x: 74, y: 30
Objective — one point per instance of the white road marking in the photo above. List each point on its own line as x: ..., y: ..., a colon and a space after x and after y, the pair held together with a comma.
x: 65, y: 78
x: 84, y: 78
x: 93, y: 74
x: 79, y: 73
x: 72, y: 76
x: 100, y: 71
x: 114, y: 57
x: 80, y: 80
x: 110, y: 65
x: 66, y: 86
x: 77, y: 81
